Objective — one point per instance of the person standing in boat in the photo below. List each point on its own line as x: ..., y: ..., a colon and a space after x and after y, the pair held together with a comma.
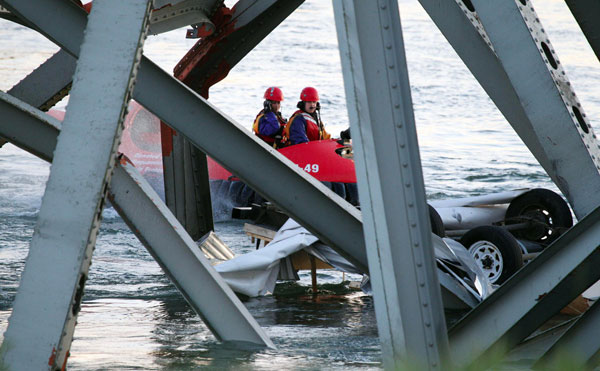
x: 269, y: 122
x: 305, y: 124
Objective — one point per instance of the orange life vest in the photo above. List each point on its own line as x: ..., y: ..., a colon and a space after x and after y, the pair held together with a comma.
x: 314, y: 130
x: 269, y: 139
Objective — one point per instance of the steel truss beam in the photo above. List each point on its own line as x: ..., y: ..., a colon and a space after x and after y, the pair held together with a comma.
x: 49, y: 83
x: 570, y: 165
x: 587, y: 14
x: 187, y: 188
x: 316, y: 207
x: 45, y: 309
x: 408, y: 304
x: 581, y: 341
x: 240, y: 30
x: 182, y: 260
x: 154, y: 225
x: 535, y: 293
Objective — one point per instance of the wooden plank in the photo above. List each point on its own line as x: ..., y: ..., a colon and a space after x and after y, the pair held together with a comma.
x: 301, y: 261
x: 259, y: 232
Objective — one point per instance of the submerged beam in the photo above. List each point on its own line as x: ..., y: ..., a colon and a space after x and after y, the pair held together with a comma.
x: 554, y: 133
x: 157, y: 229
x: 48, y: 301
x: 408, y: 304
x: 539, y: 290
x: 181, y: 259
x: 187, y: 188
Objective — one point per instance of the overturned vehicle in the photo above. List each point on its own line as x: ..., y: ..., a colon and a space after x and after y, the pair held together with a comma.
x: 501, y: 231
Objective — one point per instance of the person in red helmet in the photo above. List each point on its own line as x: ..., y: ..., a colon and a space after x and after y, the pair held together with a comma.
x: 305, y: 124
x: 269, y: 123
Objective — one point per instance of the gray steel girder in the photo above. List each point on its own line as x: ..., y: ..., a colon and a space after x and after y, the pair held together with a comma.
x: 408, y: 304
x: 322, y: 212
x: 552, y: 133
x: 587, y: 14
x: 155, y: 226
x: 187, y: 189
x: 46, y: 306
x: 529, y: 298
x: 47, y: 84
x: 581, y: 341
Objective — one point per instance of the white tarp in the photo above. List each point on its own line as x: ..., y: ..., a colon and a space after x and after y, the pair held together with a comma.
x: 255, y: 273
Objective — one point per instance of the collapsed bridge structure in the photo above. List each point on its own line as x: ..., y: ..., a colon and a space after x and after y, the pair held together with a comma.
x: 502, y: 43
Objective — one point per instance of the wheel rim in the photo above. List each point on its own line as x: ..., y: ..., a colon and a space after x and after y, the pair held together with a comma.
x: 488, y: 258
x: 543, y: 219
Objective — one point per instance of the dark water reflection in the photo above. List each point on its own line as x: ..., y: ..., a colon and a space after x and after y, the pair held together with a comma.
x: 331, y: 332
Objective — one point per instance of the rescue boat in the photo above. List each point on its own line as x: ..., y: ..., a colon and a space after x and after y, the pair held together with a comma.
x: 329, y: 161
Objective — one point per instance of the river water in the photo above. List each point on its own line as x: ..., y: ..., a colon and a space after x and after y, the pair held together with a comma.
x: 133, y: 318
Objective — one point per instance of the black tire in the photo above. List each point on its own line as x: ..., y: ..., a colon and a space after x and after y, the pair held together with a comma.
x: 546, y: 209
x: 495, y: 250
x: 437, y: 225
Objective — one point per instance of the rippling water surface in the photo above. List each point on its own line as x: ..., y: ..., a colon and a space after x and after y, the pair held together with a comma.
x: 133, y: 318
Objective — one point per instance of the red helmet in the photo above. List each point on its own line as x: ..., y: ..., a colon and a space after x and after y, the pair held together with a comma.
x: 309, y: 94
x: 274, y: 93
